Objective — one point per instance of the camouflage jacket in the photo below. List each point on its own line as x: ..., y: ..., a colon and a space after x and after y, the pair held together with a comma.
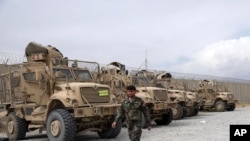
x: 133, y: 111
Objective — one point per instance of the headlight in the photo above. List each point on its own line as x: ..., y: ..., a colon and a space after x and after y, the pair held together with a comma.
x: 230, y: 96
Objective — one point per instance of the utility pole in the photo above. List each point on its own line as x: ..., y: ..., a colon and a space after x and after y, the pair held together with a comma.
x: 146, y: 61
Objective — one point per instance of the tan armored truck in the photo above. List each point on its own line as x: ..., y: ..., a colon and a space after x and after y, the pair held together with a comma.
x: 116, y: 76
x: 156, y: 98
x: 195, y: 102
x: 119, y: 78
x: 215, y: 97
x: 187, y: 106
x: 190, y: 96
x: 56, y: 94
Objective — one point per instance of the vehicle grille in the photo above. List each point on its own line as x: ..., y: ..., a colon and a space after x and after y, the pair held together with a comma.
x: 92, y: 94
x: 161, y: 95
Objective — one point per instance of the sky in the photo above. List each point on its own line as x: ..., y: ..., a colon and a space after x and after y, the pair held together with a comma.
x: 205, y: 37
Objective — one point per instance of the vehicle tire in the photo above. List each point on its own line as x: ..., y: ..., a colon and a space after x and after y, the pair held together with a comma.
x: 60, y: 126
x: 177, y: 112
x: 201, y: 108
x: 220, y: 106
x: 15, y: 127
x: 231, y: 107
x: 184, y: 113
x: 4, y: 139
x: 111, y: 132
x: 196, y: 110
x: 190, y: 111
x: 166, y: 118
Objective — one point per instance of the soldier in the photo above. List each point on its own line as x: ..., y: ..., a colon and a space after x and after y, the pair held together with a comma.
x: 133, y: 108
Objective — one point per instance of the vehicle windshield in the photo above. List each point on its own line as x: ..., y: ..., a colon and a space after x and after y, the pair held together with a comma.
x: 141, y: 81
x: 221, y: 88
x: 82, y: 74
x: 65, y: 73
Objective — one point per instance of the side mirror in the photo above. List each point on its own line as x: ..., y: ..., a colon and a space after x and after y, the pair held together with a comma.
x: 103, y: 69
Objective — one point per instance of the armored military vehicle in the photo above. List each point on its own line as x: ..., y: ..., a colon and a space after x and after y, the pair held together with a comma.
x: 195, y: 102
x: 215, y: 97
x: 187, y: 105
x: 116, y: 75
x: 156, y: 98
x: 57, y: 94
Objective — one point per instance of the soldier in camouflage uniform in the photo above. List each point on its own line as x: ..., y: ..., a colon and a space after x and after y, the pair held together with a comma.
x: 133, y: 108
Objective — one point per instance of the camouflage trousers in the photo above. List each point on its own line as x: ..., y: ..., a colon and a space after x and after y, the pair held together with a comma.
x: 134, y: 130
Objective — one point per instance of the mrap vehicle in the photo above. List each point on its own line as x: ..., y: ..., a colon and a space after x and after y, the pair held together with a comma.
x: 53, y: 93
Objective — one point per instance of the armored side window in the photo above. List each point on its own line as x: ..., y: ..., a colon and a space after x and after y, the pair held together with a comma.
x: 200, y: 91
x: 112, y: 71
x: 29, y: 76
x: 210, y: 90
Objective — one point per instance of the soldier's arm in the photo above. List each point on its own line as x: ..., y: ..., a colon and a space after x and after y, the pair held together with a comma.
x: 145, y: 111
x: 120, y: 114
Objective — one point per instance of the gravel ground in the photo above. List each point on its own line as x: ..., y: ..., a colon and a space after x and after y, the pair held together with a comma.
x: 206, y: 126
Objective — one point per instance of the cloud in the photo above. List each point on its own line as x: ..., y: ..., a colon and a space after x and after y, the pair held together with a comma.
x: 175, y: 34
x: 228, y: 58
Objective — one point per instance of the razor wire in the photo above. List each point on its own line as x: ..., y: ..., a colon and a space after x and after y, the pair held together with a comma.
x: 11, y: 58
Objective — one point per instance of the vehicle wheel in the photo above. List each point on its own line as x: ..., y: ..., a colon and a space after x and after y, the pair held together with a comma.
x: 111, y: 132
x: 166, y: 118
x: 220, y: 106
x: 201, y: 108
x: 231, y: 107
x: 15, y: 127
x: 60, y: 126
x: 177, y: 112
x: 190, y: 111
x: 196, y: 111
x: 184, y: 113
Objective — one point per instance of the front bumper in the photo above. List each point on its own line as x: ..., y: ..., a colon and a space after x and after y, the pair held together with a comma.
x: 97, y: 110
x: 232, y: 101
